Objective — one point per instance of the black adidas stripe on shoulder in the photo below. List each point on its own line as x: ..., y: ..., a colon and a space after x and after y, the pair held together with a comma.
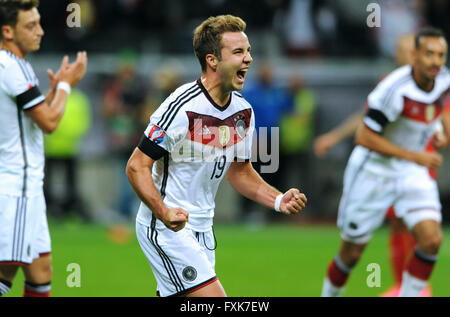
x: 25, y: 71
x: 192, y: 96
x: 391, y: 90
x: 188, y: 92
x: 22, y: 66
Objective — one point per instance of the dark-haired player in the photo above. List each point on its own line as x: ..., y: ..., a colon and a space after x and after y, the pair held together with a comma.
x: 389, y: 166
x: 24, y: 115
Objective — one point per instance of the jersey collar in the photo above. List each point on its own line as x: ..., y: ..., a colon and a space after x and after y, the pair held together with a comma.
x: 211, y: 100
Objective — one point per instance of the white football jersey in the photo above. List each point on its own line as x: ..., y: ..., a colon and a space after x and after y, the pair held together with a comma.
x: 405, y: 115
x: 194, y: 141
x: 21, y: 140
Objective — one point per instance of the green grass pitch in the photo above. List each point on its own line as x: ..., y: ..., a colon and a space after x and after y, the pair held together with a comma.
x: 269, y: 261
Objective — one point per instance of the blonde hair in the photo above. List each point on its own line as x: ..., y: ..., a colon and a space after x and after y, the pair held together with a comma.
x: 207, y: 36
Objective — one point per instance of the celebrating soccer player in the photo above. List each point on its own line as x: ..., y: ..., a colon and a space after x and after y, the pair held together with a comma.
x: 200, y: 133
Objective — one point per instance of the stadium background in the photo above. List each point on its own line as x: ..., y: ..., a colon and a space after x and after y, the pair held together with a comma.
x: 325, y: 45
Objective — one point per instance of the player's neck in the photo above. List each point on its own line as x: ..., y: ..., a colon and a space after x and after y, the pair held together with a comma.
x: 13, y: 48
x: 215, y: 89
x: 422, y: 82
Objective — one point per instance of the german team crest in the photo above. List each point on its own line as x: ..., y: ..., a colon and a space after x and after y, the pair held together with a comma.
x: 240, y: 128
x: 189, y: 273
x: 430, y: 112
x: 224, y: 135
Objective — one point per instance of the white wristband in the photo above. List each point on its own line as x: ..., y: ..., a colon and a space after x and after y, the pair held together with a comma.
x: 64, y: 86
x: 278, y: 202
x: 439, y: 127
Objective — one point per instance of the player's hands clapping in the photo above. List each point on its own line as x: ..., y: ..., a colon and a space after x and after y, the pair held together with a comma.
x: 175, y: 219
x: 70, y: 73
x: 292, y: 202
x: 52, y: 79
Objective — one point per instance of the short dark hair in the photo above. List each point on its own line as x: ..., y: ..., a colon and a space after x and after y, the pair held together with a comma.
x: 9, y: 10
x: 207, y: 36
x: 427, y: 32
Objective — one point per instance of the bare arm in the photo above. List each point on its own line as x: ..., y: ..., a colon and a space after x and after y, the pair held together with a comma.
x: 326, y: 141
x: 377, y: 143
x: 243, y: 177
x: 48, y: 115
x: 446, y: 124
x: 140, y: 177
x: 53, y: 80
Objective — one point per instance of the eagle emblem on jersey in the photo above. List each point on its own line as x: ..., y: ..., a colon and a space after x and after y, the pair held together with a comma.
x: 240, y: 126
x: 430, y: 112
x: 224, y: 135
x: 189, y: 273
x: 156, y: 134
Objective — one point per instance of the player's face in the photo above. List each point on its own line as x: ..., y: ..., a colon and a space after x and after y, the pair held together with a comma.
x: 235, y: 60
x: 430, y: 56
x: 28, y: 31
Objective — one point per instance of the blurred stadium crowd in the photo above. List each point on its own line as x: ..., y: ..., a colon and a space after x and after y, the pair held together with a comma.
x: 304, y: 27
x: 315, y: 63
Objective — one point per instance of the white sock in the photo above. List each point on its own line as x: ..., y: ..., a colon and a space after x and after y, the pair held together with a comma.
x: 411, y: 286
x: 329, y: 290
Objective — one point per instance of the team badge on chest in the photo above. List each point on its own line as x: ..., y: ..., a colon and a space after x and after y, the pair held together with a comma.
x: 430, y: 112
x: 224, y: 135
x: 240, y: 128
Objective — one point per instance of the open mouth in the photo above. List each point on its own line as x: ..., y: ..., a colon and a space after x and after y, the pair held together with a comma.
x: 241, y: 74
